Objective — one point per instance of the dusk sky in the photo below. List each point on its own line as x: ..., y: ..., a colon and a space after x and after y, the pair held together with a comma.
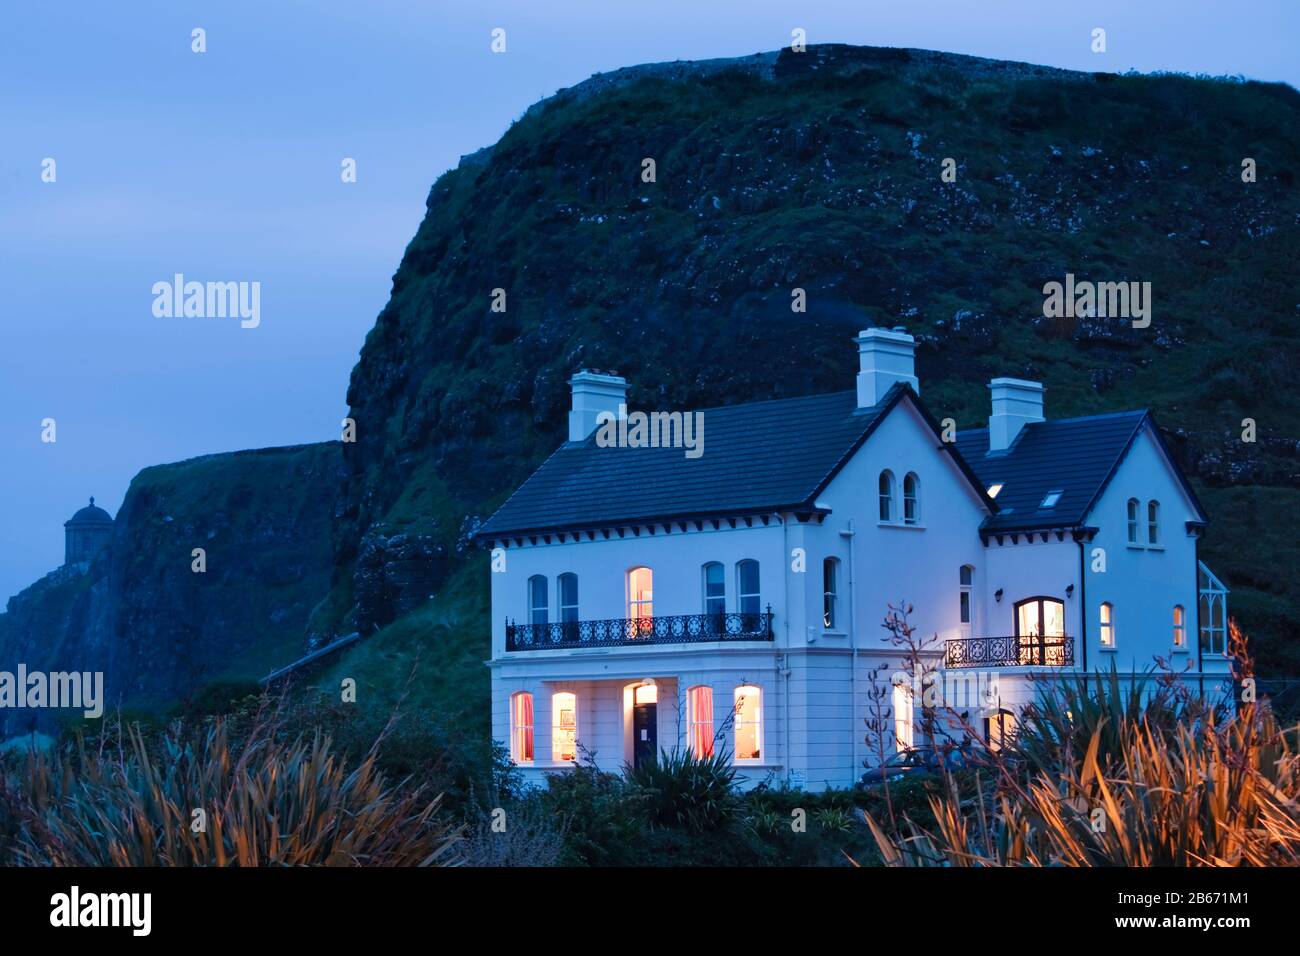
x: 225, y: 166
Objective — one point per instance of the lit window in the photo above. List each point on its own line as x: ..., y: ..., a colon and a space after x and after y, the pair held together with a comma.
x: 640, y: 601
x: 830, y: 573
x: 911, y: 500
x: 1132, y: 521
x: 995, y: 489
x: 521, y: 727
x: 715, y: 589
x: 1153, y: 522
x: 967, y: 584
x: 1050, y: 501
x: 1107, y: 625
x: 538, y: 602
x: 886, y: 496
x: 749, y: 723
x: 903, y: 717
x: 1000, y: 729
x: 568, y: 599
x: 564, y: 727
x: 699, y: 720
x: 1180, y: 627
x: 747, y: 581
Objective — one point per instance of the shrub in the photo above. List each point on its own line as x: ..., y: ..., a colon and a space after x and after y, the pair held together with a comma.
x: 697, y: 794
x: 601, y: 815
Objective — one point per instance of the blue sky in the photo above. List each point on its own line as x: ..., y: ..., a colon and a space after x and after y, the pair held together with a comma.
x: 225, y: 166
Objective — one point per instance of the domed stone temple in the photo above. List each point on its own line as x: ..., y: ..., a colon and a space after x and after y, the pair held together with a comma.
x: 85, y: 533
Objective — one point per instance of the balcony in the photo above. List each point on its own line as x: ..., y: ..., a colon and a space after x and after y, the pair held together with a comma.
x: 1031, y: 651
x: 635, y: 632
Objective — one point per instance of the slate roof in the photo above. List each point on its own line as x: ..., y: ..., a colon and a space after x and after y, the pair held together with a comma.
x: 758, y: 458
x: 1075, y: 456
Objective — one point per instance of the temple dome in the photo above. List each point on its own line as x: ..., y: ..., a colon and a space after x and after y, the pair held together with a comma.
x: 86, y: 533
x: 92, y: 514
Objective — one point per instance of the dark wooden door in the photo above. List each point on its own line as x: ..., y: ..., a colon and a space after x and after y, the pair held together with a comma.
x: 645, y: 734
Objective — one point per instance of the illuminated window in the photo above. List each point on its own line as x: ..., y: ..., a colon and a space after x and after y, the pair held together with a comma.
x: 1050, y: 500
x: 830, y: 586
x: 903, y: 717
x: 640, y: 600
x: 568, y: 598
x: 564, y: 727
x: 994, y: 490
x: 1132, y: 521
x: 1040, y: 630
x: 749, y: 723
x: 1000, y: 729
x: 911, y: 499
x: 1180, y: 627
x: 886, y: 496
x: 1107, y: 625
x: 966, y: 592
x: 747, y: 587
x: 521, y: 727
x: 538, y: 602
x: 715, y: 589
x: 1153, y: 522
x: 699, y: 720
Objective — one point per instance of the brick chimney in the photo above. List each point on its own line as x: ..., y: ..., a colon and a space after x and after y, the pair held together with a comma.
x: 593, y: 392
x: 1016, y: 403
x: 885, y: 356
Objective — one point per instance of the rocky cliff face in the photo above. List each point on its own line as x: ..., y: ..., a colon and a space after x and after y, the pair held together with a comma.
x: 155, y: 627
x: 822, y: 172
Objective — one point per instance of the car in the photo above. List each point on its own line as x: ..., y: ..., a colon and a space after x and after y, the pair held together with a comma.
x: 916, y: 762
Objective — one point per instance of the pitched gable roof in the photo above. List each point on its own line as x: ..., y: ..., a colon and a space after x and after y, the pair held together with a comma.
x: 1075, y: 456
x: 758, y: 458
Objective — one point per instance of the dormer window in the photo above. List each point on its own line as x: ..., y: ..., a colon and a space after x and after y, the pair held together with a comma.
x: 994, y: 489
x: 1050, y: 500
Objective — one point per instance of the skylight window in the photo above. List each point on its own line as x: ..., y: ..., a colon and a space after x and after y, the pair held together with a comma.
x: 994, y: 489
x: 1050, y: 501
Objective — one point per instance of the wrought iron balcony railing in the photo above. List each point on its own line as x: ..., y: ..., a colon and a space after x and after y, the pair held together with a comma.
x: 632, y: 632
x: 1032, y: 651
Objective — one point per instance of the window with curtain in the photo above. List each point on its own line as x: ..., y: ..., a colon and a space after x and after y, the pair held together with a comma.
x: 911, y: 499
x: 830, y: 590
x: 564, y: 727
x: 886, y: 496
x: 1107, y: 632
x: 748, y: 599
x: 749, y: 722
x: 903, y: 717
x: 699, y: 720
x: 640, y: 600
x: 568, y: 584
x: 1133, y: 521
x: 538, y: 601
x: 1180, y: 627
x: 1153, y: 522
x: 521, y: 727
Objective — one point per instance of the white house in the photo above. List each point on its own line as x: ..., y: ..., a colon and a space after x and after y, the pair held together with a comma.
x: 731, y: 595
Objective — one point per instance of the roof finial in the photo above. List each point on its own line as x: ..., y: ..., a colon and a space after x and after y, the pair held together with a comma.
x: 92, y: 500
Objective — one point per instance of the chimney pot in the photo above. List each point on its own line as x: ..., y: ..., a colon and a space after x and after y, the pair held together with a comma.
x: 593, y: 392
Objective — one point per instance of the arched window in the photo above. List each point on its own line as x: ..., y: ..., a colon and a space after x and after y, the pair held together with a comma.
x: 830, y: 590
x: 1213, y: 611
x: 886, y: 495
x: 538, y: 600
x: 715, y: 589
x: 903, y: 735
x: 1133, y: 521
x: 564, y: 727
x: 999, y: 729
x: 1180, y: 626
x: 699, y: 720
x: 747, y: 595
x: 749, y: 723
x: 640, y: 600
x: 911, y: 499
x: 966, y: 579
x: 521, y: 727
x: 568, y: 584
x: 1153, y: 522
x: 1040, y: 630
x: 1107, y: 624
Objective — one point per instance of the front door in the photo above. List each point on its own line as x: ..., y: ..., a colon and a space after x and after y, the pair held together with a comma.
x: 645, y: 734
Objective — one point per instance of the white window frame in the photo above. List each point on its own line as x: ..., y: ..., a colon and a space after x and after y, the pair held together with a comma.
x: 914, y: 499
x: 830, y: 592
x: 1180, y: 627
x: 558, y: 699
x: 1106, y: 630
x: 886, y: 496
x: 545, y: 607
x: 757, y: 722
x: 697, y: 724
x: 518, y: 730
x: 1134, y: 514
